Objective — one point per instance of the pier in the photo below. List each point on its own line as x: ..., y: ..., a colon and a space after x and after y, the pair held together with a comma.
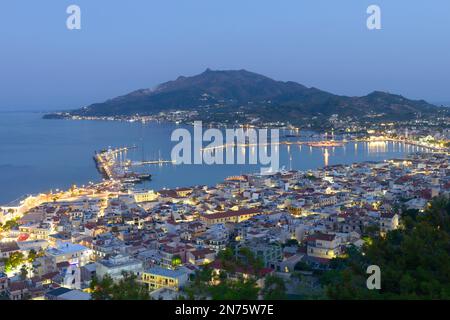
x: 147, y: 162
x: 321, y: 144
x: 324, y: 144
x: 112, y: 164
x: 112, y: 169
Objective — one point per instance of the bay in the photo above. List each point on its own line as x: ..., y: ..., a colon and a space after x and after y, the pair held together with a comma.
x: 38, y: 155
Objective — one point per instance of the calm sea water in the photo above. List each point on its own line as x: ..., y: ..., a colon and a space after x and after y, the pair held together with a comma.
x: 39, y: 155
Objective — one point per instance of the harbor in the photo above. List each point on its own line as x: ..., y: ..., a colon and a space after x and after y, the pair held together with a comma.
x: 59, y: 166
x: 109, y: 164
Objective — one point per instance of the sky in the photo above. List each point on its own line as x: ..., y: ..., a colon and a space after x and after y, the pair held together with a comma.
x: 127, y: 45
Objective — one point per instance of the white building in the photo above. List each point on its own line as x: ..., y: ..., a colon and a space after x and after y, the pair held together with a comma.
x: 116, y: 265
x: 326, y: 246
x: 157, y: 277
x: 69, y: 252
x: 388, y: 222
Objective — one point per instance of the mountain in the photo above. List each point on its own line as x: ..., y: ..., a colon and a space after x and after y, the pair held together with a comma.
x: 222, y: 93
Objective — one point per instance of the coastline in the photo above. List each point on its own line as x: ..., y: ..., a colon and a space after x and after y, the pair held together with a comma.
x: 85, y: 136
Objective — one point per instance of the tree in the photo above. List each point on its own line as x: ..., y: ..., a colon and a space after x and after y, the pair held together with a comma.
x: 302, y: 266
x: 101, y: 289
x: 414, y: 260
x: 41, y: 253
x: 235, y: 290
x: 198, y: 288
x: 226, y: 254
x: 249, y: 259
x: 227, y: 260
x: 15, y: 259
x: 23, y: 272
x: 10, y: 224
x: 274, y: 288
x: 176, y: 261
x: 126, y: 289
x: 371, y: 231
x: 31, y: 255
x: 129, y: 289
x: 291, y: 242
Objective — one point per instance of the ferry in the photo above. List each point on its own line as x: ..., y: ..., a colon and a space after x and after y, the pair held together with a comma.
x: 326, y: 144
x: 136, y: 178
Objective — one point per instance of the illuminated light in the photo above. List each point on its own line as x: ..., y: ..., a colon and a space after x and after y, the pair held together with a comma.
x: 326, y: 157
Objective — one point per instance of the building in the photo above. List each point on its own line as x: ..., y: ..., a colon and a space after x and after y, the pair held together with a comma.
x: 201, y: 256
x: 39, y: 231
x: 183, y: 192
x: 157, y: 277
x: 115, y: 266
x: 3, y: 283
x: 72, y: 277
x: 145, y: 196
x: 8, y: 248
x: 17, y: 290
x: 35, y: 245
x: 320, y: 245
x: 43, y: 265
x: 388, y: 221
x: 68, y: 252
x: 270, y: 253
x: 19, y: 207
x: 230, y: 216
x: 324, y: 201
x: 67, y: 294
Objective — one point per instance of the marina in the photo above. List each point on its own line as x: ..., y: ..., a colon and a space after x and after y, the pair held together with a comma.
x: 113, y: 165
x: 108, y: 163
x: 327, y: 143
x: 65, y: 158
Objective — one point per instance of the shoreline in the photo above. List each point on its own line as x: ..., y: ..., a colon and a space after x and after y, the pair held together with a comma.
x: 19, y: 196
x: 122, y: 185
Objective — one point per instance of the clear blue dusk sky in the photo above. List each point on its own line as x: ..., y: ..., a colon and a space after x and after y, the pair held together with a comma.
x: 127, y: 45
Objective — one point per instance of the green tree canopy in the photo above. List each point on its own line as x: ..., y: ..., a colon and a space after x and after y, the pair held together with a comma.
x: 176, y: 261
x: 291, y: 242
x: 15, y: 259
x: 414, y: 260
x: 126, y: 289
x: 274, y: 288
x: 234, y: 290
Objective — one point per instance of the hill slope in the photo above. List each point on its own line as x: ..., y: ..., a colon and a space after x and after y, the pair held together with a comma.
x: 255, y: 95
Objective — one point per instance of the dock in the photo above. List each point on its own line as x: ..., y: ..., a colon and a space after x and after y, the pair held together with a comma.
x: 112, y: 169
x: 147, y: 162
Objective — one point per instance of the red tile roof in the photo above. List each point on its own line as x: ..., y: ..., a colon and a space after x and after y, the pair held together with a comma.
x: 229, y: 214
x: 216, y: 264
x: 16, y: 286
x: 321, y: 236
x: 9, y: 247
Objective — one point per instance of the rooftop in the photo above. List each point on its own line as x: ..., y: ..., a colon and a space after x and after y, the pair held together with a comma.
x: 228, y: 214
x: 9, y: 246
x: 66, y: 248
x: 169, y: 273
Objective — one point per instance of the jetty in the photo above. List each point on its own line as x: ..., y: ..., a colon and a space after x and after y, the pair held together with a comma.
x: 112, y: 169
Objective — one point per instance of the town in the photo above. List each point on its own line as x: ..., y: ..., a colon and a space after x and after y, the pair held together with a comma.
x: 272, y: 230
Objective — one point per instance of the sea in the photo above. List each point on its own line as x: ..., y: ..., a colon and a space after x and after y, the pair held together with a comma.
x: 38, y: 155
